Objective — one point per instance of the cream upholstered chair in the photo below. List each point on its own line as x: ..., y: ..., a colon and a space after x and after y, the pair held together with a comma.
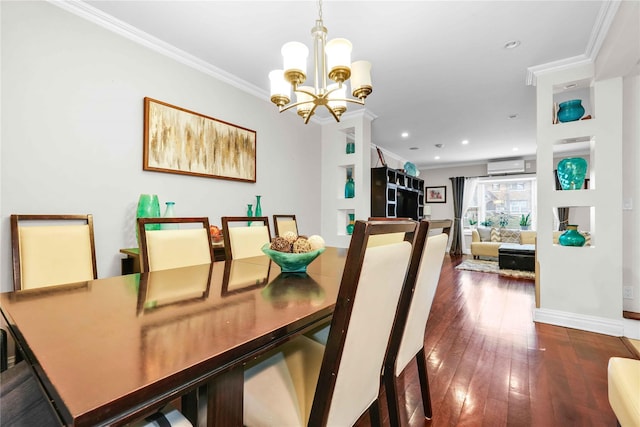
x: 407, y: 338
x: 165, y: 249
x: 242, y: 240
x: 305, y: 383
x: 52, y: 249
x: 284, y: 223
x: 623, y: 381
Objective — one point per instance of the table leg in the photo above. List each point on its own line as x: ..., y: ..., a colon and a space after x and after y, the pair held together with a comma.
x: 225, y: 398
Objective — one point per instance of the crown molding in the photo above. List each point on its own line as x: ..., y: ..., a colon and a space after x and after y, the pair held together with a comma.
x: 90, y: 13
x: 599, y: 33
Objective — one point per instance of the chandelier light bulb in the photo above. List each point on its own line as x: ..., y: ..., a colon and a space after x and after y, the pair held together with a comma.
x: 304, y: 101
x: 361, y: 79
x: 295, y: 56
x: 339, y: 59
x: 280, y: 88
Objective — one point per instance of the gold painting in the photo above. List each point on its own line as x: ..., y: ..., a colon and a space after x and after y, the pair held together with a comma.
x: 184, y: 142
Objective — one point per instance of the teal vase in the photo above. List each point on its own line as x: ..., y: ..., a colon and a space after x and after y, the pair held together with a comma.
x: 571, y: 173
x: 258, y: 206
x: 570, y: 111
x: 249, y: 212
x: 351, y: 224
x: 351, y: 147
x: 148, y: 207
x: 572, y: 237
x: 349, y: 189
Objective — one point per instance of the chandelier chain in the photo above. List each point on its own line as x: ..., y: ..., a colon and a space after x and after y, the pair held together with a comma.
x: 320, y: 9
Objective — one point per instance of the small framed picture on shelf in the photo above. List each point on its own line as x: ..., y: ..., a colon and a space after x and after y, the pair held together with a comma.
x: 436, y: 194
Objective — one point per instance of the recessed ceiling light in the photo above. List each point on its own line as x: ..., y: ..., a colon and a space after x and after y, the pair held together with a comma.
x: 405, y: 134
x: 414, y: 148
x: 512, y: 44
x: 465, y: 142
x: 437, y: 157
x: 515, y: 148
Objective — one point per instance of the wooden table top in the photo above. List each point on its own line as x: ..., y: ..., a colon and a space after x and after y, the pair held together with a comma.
x: 111, y: 348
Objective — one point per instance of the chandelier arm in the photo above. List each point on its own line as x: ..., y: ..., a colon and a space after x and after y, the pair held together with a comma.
x: 310, y: 113
x: 290, y: 106
x: 333, y: 113
x: 352, y: 100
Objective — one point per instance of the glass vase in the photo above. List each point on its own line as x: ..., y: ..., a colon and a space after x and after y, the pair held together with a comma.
x: 249, y: 212
x: 571, y: 173
x: 148, y: 207
x: 351, y: 224
x: 572, y: 237
x: 258, y: 206
x: 169, y: 212
x: 351, y: 147
x: 350, y: 186
x: 570, y: 111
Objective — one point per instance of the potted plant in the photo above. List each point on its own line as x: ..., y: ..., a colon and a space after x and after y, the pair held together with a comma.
x: 525, y: 221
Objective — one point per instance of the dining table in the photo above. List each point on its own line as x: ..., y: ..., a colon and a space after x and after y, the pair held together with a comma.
x: 114, y: 350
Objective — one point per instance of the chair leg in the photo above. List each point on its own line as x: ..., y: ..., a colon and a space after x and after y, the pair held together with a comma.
x: 374, y: 414
x: 421, y: 360
x: 391, y: 391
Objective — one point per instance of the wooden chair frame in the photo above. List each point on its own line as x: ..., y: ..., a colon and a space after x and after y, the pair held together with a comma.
x: 397, y: 332
x: 275, y: 222
x: 342, y: 313
x: 15, y: 240
x: 231, y: 219
x: 142, y: 232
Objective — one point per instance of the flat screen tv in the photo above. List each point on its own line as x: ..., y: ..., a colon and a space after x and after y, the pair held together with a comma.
x: 407, y: 204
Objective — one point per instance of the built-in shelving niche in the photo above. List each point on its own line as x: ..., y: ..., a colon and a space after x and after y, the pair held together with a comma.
x: 584, y: 218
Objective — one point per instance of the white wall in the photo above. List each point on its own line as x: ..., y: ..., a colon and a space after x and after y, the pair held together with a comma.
x: 72, y: 123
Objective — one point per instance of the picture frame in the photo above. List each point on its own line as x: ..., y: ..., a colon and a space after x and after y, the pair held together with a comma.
x: 435, y: 194
x: 180, y: 141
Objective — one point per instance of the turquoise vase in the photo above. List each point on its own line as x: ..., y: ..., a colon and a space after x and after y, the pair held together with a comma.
x: 148, y: 207
x: 351, y: 147
x: 571, y: 173
x: 249, y: 212
x: 570, y: 111
x: 258, y: 206
x: 572, y: 237
x: 351, y: 224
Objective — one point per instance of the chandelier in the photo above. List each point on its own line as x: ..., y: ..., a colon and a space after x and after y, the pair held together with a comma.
x: 331, y: 60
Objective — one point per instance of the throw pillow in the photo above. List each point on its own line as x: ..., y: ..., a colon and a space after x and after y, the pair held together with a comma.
x: 495, y: 235
x: 485, y: 234
x: 509, y: 236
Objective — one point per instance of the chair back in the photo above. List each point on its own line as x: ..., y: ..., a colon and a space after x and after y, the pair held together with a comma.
x: 284, y: 223
x: 174, y: 248
x: 52, y: 250
x: 372, y: 282
x: 242, y: 240
x: 426, y: 282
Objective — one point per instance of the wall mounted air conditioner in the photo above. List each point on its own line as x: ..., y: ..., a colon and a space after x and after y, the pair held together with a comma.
x: 505, y: 167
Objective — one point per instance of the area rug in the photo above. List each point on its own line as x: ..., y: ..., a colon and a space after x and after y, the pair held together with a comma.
x: 492, y: 267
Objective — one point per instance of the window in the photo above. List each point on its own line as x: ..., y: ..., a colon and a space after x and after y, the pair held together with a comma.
x: 501, y: 202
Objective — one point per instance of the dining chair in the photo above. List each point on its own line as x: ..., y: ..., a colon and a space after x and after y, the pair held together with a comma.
x: 52, y: 249
x: 174, y: 248
x: 242, y: 240
x: 22, y: 402
x: 306, y: 383
x: 284, y: 223
x: 407, y: 337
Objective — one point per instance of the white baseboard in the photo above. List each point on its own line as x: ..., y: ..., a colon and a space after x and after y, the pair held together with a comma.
x: 632, y: 328
x: 583, y: 322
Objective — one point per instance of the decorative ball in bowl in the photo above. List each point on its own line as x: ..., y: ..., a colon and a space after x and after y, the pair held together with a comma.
x: 290, y: 262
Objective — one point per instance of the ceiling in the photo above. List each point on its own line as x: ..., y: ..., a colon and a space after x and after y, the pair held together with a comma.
x: 440, y: 69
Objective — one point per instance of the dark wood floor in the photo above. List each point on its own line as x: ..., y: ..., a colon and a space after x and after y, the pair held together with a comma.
x: 489, y: 364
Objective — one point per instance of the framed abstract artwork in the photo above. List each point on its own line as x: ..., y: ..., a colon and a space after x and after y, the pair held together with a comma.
x: 435, y: 194
x: 184, y: 142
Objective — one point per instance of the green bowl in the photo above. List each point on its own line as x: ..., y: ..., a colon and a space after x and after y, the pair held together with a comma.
x: 290, y: 262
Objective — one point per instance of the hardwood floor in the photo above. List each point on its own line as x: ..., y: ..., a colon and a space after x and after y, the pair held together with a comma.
x: 489, y: 364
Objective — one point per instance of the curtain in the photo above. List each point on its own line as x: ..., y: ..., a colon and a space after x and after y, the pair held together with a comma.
x: 457, y: 187
x: 563, y: 213
x: 470, y: 185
